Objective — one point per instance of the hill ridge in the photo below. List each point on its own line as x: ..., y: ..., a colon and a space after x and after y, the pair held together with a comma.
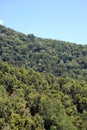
x: 44, y: 55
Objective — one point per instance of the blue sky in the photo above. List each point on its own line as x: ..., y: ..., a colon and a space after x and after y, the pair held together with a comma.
x: 57, y: 19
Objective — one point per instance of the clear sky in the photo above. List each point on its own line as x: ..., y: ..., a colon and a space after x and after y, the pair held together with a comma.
x: 57, y: 19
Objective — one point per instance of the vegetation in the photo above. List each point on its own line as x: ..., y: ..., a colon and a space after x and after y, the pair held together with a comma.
x: 34, y: 101
x: 44, y: 55
x: 43, y: 86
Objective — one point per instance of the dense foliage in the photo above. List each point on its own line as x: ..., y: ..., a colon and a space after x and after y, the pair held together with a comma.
x: 30, y: 100
x: 33, y: 100
x: 44, y: 55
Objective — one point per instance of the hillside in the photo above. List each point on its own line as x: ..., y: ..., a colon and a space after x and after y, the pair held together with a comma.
x: 43, y: 83
x: 30, y: 100
x: 44, y: 55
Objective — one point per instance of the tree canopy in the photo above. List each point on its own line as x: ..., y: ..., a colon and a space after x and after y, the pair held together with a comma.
x: 43, y: 83
x: 43, y: 55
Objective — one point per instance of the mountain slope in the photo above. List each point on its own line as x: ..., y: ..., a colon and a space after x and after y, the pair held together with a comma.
x: 44, y: 55
x: 30, y: 100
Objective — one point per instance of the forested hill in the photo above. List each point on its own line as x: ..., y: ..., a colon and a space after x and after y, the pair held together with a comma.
x: 31, y: 100
x: 43, y: 83
x: 44, y: 55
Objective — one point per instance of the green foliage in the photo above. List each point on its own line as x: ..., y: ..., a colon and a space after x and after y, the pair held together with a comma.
x: 32, y: 100
x: 44, y: 55
x: 35, y: 101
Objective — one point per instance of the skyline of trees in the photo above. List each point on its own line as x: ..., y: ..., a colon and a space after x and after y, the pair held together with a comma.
x: 43, y: 83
